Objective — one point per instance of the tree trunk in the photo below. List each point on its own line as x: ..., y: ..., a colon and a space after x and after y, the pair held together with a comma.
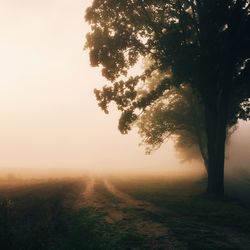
x: 216, y: 126
x: 203, y: 150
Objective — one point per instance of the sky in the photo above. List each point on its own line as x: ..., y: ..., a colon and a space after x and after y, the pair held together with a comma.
x: 49, y: 115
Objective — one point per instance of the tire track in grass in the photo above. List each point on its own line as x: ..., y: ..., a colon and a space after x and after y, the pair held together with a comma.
x: 214, y: 237
x: 129, y: 214
x: 93, y: 199
x: 160, y: 236
x: 128, y: 200
x: 140, y: 216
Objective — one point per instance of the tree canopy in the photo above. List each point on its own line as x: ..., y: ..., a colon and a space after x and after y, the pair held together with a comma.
x: 203, y: 43
x: 162, y: 120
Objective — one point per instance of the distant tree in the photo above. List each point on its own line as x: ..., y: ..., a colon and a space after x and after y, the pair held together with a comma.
x: 179, y: 116
x: 203, y: 43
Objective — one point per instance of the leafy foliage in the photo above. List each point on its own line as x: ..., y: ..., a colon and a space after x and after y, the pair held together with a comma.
x: 198, y: 42
x: 162, y: 120
x: 203, y: 43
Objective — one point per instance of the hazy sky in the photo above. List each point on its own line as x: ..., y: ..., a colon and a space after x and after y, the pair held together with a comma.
x: 49, y: 115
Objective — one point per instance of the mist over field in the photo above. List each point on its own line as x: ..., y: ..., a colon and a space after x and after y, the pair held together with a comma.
x: 114, y: 121
x: 237, y: 166
x: 50, y: 118
x: 237, y: 154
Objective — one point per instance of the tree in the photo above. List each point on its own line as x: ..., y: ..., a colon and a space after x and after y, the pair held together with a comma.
x: 203, y: 43
x: 162, y: 120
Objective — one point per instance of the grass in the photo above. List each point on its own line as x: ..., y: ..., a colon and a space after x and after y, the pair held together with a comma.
x: 196, y: 219
x: 31, y: 217
x: 102, y: 190
x: 43, y: 216
x: 87, y: 229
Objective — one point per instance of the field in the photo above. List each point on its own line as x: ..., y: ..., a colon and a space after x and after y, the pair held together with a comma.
x: 119, y: 213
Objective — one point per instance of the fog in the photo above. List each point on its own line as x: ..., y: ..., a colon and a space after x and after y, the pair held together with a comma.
x: 50, y: 121
x: 237, y: 169
x: 238, y: 150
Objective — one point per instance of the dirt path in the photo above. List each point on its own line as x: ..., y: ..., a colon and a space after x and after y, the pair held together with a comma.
x: 130, y: 213
x: 127, y: 200
x: 91, y: 198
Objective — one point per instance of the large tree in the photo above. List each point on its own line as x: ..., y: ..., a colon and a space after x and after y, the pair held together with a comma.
x: 203, y: 43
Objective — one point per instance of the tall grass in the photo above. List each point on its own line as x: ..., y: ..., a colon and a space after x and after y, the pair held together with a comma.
x: 32, y: 217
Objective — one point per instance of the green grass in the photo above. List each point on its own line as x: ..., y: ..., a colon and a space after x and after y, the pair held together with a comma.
x: 88, y: 230
x: 43, y: 216
x: 31, y: 217
x: 99, y: 187
x: 201, y: 222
